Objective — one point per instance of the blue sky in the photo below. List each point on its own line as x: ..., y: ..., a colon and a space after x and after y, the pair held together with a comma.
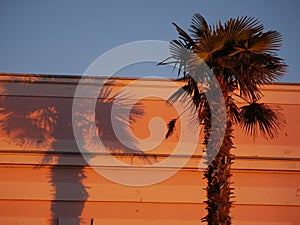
x: 65, y: 37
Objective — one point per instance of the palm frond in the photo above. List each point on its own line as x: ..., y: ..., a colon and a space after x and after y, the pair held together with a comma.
x: 180, y: 55
x: 198, y: 26
x: 176, y: 95
x: 251, y: 71
x: 234, y: 112
x: 241, y: 28
x: 263, y: 42
x: 199, y: 70
x: 265, y: 68
x: 258, y: 118
x: 269, y: 41
x: 249, y: 89
x: 171, y: 127
x: 208, y: 44
x: 184, y: 36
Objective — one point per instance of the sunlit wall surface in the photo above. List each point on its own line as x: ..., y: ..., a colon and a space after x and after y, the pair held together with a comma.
x: 45, y: 178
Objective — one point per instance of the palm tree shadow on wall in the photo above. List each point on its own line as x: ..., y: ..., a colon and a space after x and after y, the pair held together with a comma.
x: 111, y: 107
x: 100, y: 126
x: 43, y: 124
x: 26, y: 122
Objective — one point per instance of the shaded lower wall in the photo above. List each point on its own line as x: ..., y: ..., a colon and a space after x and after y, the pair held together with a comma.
x: 176, y: 201
x: 44, y: 179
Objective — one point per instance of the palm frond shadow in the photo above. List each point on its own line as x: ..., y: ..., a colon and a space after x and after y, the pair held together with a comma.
x: 29, y: 124
x: 120, y: 108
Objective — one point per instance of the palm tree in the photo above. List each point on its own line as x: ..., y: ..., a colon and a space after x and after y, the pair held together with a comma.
x: 242, y: 57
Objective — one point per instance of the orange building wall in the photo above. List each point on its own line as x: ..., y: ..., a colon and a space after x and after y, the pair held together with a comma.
x: 45, y: 180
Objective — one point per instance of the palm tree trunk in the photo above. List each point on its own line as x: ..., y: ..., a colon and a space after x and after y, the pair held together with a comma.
x: 218, y: 180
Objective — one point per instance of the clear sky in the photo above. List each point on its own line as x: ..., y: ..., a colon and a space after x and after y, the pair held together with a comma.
x: 66, y: 36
